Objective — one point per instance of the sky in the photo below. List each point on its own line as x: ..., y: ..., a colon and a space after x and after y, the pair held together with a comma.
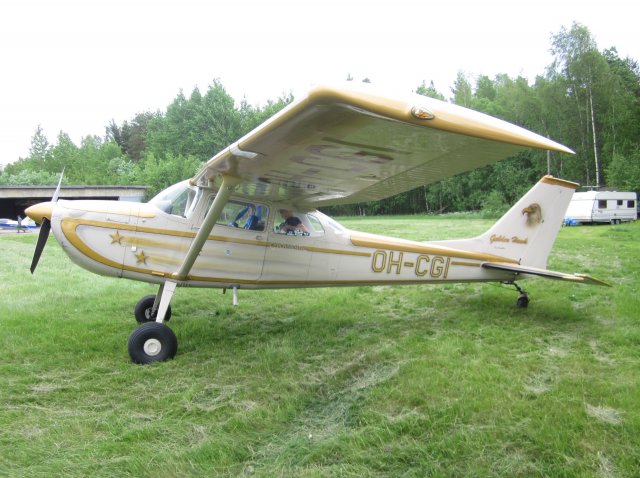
x: 75, y: 65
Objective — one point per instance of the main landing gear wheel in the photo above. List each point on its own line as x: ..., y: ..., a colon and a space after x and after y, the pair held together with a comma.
x: 145, y: 306
x: 152, y: 342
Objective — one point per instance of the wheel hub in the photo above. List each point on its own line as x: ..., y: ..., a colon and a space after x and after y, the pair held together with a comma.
x: 152, y: 347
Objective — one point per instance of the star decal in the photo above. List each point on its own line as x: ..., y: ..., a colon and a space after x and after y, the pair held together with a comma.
x: 141, y: 258
x: 116, y: 238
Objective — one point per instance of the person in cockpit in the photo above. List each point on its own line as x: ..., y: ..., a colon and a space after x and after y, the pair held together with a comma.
x: 291, y: 223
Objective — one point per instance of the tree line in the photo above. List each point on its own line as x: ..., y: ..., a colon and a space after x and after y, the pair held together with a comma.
x: 587, y: 99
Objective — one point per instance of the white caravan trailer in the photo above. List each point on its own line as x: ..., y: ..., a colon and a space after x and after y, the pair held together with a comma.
x: 602, y: 206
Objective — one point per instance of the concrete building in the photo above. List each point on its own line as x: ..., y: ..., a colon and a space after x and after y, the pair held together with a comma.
x: 15, y: 199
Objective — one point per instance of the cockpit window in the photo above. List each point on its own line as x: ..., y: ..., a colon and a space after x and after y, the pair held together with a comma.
x: 177, y: 200
x: 295, y: 223
x: 244, y: 216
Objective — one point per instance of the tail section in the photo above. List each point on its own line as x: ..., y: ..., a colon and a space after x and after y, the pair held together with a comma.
x: 526, y: 233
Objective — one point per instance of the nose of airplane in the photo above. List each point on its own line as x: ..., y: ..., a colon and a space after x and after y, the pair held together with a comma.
x: 39, y: 211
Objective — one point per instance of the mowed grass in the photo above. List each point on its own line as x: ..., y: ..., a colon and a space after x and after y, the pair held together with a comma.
x: 448, y: 380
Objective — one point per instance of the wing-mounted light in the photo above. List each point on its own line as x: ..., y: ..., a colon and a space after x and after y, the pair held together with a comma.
x: 422, y: 113
x: 236, y: 151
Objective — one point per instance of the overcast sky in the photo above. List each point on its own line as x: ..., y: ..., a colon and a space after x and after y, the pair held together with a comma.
x: 73, y: 65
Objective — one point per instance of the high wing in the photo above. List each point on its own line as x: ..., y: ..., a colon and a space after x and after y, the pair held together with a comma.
x: 351, y: 144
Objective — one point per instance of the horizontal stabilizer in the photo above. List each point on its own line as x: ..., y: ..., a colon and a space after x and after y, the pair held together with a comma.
x: 517, y: 269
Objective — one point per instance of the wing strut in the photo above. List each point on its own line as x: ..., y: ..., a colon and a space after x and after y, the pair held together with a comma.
x: 228, y: 185
x: 165, y: 293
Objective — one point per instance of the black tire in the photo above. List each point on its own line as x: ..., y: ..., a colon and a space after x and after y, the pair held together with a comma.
x: 522, y: 302
x: 152, y: 342
x: 143, y: 308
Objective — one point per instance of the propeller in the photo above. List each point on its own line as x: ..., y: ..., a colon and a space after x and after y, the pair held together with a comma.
x: 42, y: 213
x: 45, y: 228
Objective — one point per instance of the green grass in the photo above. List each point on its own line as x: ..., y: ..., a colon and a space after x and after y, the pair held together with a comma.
x: 409, y: 381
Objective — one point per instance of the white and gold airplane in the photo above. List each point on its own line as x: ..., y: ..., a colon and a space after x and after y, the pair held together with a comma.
x: 248, y: 219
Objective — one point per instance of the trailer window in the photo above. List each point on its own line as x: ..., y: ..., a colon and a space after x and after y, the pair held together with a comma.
x: 602, y: 204
x: 619, y: 202
x: 631, y: 203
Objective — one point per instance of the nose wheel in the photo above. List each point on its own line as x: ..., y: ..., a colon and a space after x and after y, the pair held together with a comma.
x: 152, y: 342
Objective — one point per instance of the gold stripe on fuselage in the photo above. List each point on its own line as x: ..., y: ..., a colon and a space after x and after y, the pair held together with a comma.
x: 400, y: 246
x: 69, y: 228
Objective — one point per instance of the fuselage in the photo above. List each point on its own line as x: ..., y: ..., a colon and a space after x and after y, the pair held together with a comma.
x: 248, y: 247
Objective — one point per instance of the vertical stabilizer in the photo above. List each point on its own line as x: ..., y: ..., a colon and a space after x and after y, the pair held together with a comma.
x: 526, y: 233
x: 528, y: 230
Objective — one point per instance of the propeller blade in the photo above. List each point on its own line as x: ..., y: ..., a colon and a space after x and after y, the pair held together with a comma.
x: 42, y: 241
x: 54, y: 199
x: 43, y: 213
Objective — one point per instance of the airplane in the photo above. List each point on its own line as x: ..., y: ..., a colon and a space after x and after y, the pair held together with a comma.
x: 249, y: 220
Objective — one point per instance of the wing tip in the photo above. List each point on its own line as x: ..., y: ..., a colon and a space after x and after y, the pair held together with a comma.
x: 446, y: 116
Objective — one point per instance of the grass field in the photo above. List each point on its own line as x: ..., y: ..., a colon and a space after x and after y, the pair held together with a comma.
x: 412, y: 381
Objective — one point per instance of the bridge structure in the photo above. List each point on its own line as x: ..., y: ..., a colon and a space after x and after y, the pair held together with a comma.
x: 15, y: 199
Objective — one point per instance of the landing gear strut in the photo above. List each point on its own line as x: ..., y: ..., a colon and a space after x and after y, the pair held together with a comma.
x: 153, y: 341
x: 523, y: 298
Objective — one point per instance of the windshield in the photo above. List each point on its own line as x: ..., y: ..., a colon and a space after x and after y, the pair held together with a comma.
x: 177, y: 199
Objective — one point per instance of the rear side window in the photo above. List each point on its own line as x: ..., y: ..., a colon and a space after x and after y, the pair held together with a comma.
x: 631, y: 203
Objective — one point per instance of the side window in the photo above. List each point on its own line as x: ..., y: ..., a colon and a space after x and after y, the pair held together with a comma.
x: 619, y: 202
x: 295, y: 223
x: 602, y: 204
x: 243, y: 215
x: 631, y: 203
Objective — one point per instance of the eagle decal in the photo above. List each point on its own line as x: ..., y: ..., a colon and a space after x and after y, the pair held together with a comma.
x: 534, y: 214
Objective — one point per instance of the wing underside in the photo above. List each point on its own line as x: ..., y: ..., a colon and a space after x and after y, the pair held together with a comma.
x: 338, y: 146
